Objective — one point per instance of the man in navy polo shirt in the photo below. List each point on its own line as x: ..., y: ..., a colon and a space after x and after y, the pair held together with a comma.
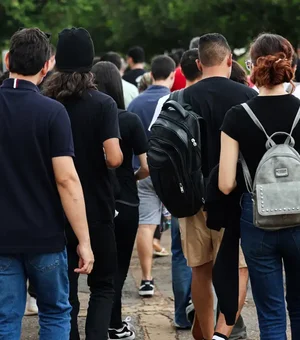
x: 38, y: 184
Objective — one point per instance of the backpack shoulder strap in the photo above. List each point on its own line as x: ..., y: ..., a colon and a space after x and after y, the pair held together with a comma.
x: 296, y: 121
x: 246, y: 173
x: 255, y: 119
x: 177, y: 96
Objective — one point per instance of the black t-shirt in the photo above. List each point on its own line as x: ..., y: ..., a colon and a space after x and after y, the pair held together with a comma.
x: 211, y: 98
x: 33, y: 130
x: 94, y: 119
x: 276, y: 113
x: 134, y: 142
x: 133, y: 76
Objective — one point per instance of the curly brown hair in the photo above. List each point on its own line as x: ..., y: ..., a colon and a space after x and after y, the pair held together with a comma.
x: 61, y: 85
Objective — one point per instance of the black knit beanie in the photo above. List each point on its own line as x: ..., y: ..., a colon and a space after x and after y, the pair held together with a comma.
x: 75, y: 51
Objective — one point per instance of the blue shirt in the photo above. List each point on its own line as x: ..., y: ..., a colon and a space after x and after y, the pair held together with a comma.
x: 144, y: 106
x: 33, y: 130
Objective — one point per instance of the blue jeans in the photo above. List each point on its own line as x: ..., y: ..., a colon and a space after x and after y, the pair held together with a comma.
x: 181, y: 277
x: 266, y: 252
x: 48, y: 273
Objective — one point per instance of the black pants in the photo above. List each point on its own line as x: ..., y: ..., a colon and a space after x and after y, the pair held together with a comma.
x: 126, y: 225
x: 100, y: 281
x: 31, y: 290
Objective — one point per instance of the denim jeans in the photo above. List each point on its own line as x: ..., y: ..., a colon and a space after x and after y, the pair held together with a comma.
x: 266, y: 253
x: 181, y: 277
x: 49, y: 275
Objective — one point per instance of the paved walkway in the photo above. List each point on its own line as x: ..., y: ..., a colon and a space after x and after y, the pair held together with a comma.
x: 153, y: 317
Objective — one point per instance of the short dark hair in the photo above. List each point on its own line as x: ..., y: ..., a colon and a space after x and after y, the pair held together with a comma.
x: 176, y: 56
x: 238, y: 74
x: 52, y: 50
x: 213, y: 49
x: 109, y: 81
x: 162, y: 66
x: 114, y: 58
x: 188, y: 64
x: 137, y: 54
x: 194, y: 43
x: 29, y: 51
x: 96, y: 60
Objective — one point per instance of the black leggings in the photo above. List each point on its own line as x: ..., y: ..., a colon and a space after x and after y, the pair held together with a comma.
x: 126, y: 225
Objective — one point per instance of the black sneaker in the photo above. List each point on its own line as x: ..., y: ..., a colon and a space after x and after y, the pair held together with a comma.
x: 147, y: 288
x: 118, y: 334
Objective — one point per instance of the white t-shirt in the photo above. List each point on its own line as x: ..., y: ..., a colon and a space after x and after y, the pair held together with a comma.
x: 158, y: 108
x: 129, y: 91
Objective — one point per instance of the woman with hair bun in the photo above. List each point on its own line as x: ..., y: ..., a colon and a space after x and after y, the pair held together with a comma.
x: 266, y: 251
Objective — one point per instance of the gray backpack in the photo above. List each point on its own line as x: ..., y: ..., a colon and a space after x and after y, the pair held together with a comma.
x: 276, y: 187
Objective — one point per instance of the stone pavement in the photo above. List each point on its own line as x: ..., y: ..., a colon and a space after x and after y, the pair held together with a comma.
x: 153, y: 317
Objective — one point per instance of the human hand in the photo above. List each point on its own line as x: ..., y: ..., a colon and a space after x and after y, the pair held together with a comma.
x: 86, y: 259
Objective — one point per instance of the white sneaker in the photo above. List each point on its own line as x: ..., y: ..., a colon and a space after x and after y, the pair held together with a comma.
x: 31, y: 307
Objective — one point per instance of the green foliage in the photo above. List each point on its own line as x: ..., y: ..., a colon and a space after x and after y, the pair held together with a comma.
x: 155, y: 24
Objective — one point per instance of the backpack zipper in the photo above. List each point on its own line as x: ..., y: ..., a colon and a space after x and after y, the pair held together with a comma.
x: 181, y: 187
x: 182, y: 126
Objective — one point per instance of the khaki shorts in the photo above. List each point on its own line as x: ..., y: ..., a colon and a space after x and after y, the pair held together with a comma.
x: 201, y: 245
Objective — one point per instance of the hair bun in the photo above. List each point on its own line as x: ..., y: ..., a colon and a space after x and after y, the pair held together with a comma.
x: 272, y: 70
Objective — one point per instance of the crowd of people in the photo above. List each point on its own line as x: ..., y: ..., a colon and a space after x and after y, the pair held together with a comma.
x: 77, y: 193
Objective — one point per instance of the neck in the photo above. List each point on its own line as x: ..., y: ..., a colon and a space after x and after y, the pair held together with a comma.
x: 161, y: 83
x: 33, y: 79
x: 137, y: 66
x: 277, y: 90
x: 190, y: 83
x: 214, y: 71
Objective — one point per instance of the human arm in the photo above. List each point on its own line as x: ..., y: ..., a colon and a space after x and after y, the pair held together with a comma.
x: 139, y: 144
x: 113, y: 153
x: 228, y: 163
x: 110, y: 134
x: 143, y: 170
x: 72, y: 199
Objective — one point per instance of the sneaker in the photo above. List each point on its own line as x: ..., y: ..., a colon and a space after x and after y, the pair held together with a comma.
x: 147, y: 288
x: 128, y: 324
x: 31, y: 307
x: 177, y: 326
x: 190, y: 312
x: 122, y: 333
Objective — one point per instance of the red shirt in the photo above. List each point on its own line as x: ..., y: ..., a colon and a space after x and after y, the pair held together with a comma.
x: 180, y: 81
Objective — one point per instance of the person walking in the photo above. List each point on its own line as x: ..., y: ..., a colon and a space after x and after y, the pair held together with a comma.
x: 94, y: 119
x: 135, y: 61
x: 162, y: 72
x: 210, y: 98
x: 134, y: 142
x: 130, y: 91
x: 267, y: 252
x: 39, y: 186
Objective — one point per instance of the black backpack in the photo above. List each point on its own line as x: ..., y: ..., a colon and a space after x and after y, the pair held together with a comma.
x: 174, y: 158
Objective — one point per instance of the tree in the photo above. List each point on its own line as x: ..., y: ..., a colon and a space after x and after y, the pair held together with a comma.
x: 156, y: 25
